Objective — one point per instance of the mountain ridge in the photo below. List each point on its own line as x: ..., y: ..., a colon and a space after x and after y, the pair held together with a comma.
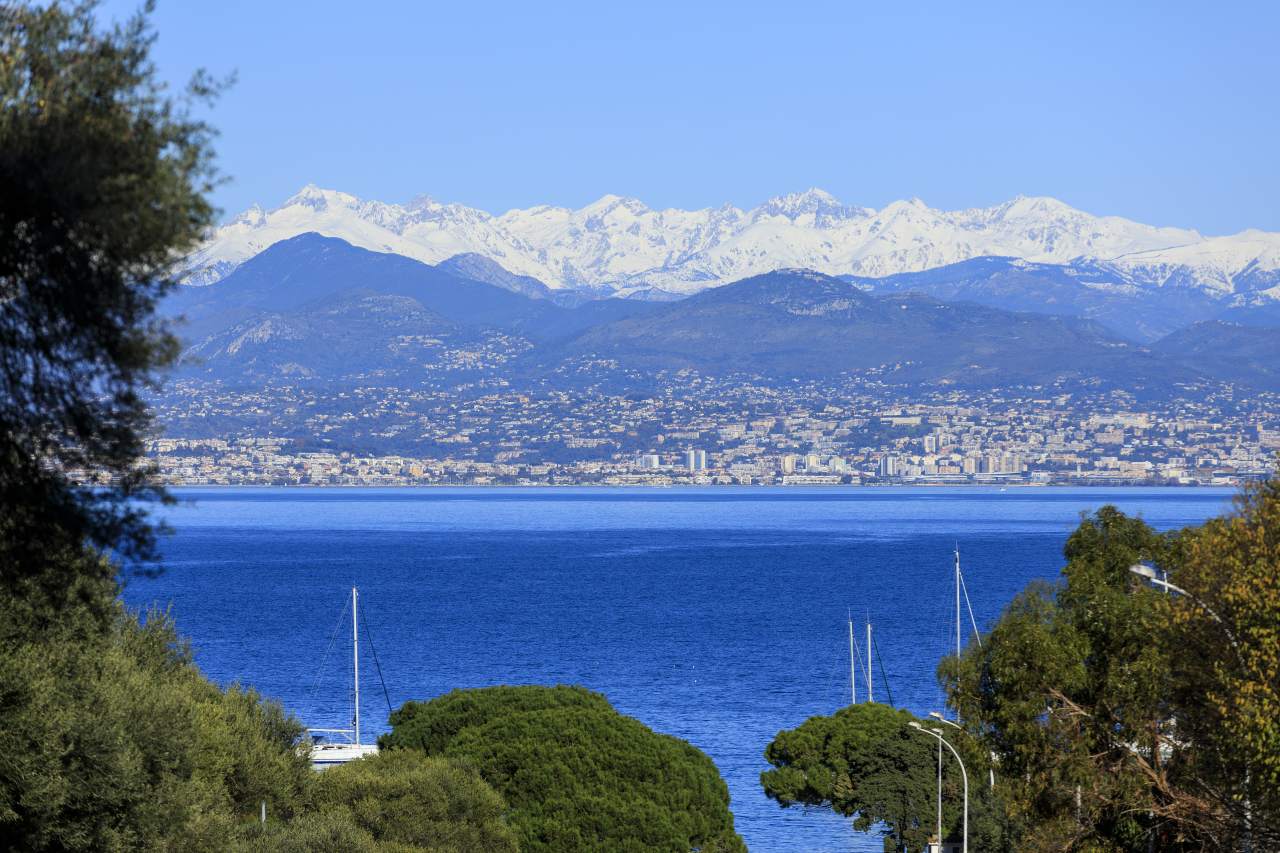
x: 618, y: 245
x: 318, y: 307
x: 803, y: 323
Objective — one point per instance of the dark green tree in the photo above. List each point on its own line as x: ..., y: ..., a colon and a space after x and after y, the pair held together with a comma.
x: 103, y: 183
x: 867, y: 763
x: 575, y: 773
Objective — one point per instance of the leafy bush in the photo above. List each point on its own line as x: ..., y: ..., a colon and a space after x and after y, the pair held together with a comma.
x: 326, y: 831
x: 576, y: 774
x: 408, y: 798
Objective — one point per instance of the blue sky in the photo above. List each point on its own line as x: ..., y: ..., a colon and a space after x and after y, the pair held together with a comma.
x: 1168, y: 113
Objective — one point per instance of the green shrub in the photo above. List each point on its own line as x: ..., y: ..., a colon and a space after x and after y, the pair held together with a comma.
x: 408, y: 798
x: 326, y: 831
x: 576, y: 774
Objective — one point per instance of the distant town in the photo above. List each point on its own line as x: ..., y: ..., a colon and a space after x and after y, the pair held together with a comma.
x: 685, y: 428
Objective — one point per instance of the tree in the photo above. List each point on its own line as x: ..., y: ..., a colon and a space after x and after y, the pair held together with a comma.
x: 1066, y: 691
x: 865, y: 762
x: 1225, y: 631
x: 103, y: 178
x: 575, y: 773
x: 1125, y: 717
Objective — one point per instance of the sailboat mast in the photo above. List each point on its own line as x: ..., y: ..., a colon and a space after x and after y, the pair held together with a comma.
x: 957, y: 600
x: 355, y: 656
x: 870, y: 694
x: 853, y: 666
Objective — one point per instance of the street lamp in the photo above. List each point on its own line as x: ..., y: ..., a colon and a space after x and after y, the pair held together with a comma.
x: 939, y: 793
x: 964, y: 775
x: 991, y: 771
x: 1142, y: 570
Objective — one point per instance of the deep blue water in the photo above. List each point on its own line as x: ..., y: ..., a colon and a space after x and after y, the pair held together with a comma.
x: 716, y: 615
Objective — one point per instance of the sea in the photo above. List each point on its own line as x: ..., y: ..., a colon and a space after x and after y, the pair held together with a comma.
x: 719, y: 615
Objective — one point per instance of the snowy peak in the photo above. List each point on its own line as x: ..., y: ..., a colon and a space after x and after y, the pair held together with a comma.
x: 812, y: 202
x: 619, y: 244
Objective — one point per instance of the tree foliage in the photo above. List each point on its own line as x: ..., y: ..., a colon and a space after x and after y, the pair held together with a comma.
x: 1066, y: 688
x: 103, y: 176
x: 1225, y: 661
x: 865, y: 762
x: 575, y: 773
x: 1124, y: 717
x: 116, y: 741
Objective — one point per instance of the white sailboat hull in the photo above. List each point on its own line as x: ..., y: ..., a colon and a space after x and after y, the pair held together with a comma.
x: 326, y: 755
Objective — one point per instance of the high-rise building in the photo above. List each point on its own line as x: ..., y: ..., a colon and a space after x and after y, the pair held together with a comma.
x: 888, y: 466
x: 696, y: 460
x: 650, y: 460
x: 787, y: 463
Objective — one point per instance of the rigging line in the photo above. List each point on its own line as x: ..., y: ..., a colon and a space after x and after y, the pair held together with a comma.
x: 333, y: 638
x: 857, y: 650
x: 369, y: 636
x: 965, y: 589
x: 883, y: 674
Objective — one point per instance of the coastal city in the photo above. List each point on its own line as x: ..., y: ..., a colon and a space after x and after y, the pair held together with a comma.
x: 543, y: 428
x: 691, y: 429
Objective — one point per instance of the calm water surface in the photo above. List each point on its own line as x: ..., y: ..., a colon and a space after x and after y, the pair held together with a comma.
x: 716, y: 615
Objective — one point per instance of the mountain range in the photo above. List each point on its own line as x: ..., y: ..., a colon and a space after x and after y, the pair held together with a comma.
x: 318, y: 307
x: 618, y: 246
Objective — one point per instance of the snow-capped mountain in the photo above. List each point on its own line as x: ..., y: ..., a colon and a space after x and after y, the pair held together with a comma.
x: 620, y: 245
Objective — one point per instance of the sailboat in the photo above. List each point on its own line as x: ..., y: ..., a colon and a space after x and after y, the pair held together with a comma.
x: 326, y: 752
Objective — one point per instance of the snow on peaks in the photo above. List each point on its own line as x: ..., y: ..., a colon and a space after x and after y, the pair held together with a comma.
x: 620, y: 244
x: 1022, y: 206
x: 253, y: 217
x: 812, y: 201
x: 613, y: 205
x: 313, y: 197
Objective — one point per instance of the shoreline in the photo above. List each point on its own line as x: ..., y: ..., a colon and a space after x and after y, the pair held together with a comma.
x: 994, y: 487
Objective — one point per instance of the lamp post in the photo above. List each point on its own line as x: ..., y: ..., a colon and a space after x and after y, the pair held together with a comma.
x: 991, y: 771
x: 964, y: 776
x: 1149, y: 574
